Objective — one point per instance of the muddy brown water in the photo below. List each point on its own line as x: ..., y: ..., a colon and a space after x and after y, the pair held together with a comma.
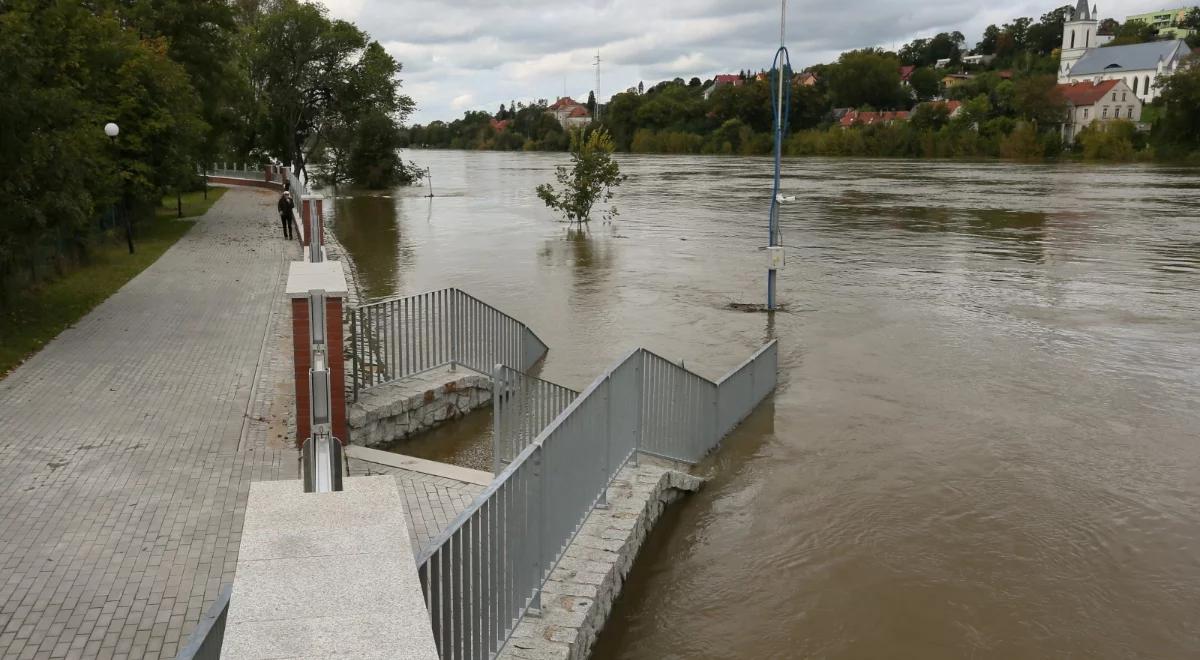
x: 986, y: 438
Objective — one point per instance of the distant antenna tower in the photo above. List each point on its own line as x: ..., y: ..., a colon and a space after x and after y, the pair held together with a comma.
x: 596, y: 63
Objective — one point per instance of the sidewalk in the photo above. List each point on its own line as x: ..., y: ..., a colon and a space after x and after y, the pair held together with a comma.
x: 122, y: 486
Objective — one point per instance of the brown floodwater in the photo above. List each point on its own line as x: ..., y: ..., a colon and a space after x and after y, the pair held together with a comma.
x: 986, y: 438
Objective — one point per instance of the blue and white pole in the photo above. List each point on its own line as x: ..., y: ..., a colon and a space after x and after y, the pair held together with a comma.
x: 780, y: 69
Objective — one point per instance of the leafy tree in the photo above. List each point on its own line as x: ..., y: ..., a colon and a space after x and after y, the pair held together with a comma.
x: 1108, y: 26
x: 591, y: 179
x: 1133, y: 32
x: 987, y: 45
x: 591, y: 103
x: 1037, y: 98
x: 1111, y: 141
x: 641, y: 87
x: 1046, y: 35
x: 866, y: 77
x: 1191, y: 19
x: 1179, y: 128
x: 694, y: 82
x: 930, y: 116
x: 926, y: 83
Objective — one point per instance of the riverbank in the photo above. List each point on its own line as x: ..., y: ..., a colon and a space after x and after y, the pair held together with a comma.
x: 38, y: 315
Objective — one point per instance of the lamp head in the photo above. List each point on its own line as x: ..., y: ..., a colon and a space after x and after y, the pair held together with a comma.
x: 111, y: 130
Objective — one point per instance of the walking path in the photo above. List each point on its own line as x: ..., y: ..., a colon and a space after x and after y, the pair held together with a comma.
x: 130, y: 442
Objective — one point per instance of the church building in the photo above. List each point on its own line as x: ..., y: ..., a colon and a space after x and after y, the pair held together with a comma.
x: 1138, y: 65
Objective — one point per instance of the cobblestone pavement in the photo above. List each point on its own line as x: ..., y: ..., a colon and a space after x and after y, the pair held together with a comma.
x: 432, y: 501
x: 122, y: 487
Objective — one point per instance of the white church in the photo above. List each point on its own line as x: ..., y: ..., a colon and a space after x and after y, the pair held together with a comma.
x: 1138, y: 65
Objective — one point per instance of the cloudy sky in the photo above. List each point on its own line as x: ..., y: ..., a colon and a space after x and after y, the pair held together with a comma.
x: 477, y: 54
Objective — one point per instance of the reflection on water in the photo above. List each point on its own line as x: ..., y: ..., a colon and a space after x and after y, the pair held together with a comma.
x: 984, y: 443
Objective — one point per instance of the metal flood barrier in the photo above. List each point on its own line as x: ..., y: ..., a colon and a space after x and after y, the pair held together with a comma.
x: 395, y: 338
x: 321, y: 459
x: 486, y: 570
x: 522, y: 405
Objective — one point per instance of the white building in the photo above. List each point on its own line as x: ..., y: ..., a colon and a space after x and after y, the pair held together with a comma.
x: 1138, y: 65
x: 1097, y: 102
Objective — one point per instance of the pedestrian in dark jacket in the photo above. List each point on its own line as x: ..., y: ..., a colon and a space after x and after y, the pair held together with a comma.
x: 286, y: 214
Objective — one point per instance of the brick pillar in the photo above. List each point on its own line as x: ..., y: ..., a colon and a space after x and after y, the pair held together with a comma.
x: 305, y: 203
x: 302, y: 359
x: 321, y: 217
x: 337, y: 368
x: 268, y: 173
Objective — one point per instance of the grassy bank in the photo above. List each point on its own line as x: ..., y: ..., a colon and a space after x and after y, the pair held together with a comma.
x: 32, y: 319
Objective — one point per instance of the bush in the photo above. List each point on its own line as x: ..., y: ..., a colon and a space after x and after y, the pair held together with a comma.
x: 1112, y: 141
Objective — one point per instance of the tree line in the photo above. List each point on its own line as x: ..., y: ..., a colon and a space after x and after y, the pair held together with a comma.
x: 188, y: 82
x: 1010, y: 106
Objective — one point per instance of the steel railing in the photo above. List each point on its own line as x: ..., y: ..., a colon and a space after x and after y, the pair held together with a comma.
x: 486, y: 570
x: 238, y: 171
x: 399, y: 337
x: 522, y: 405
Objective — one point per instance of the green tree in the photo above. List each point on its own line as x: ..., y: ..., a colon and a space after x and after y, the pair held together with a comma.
x: 1111, y: 141
x: 1178, y: 129
x: 930, y: 116
x: 1133, y: 32
x: 987, y: 44
x: 1037, y: 98
x: 592, y: 178
x: 926, y: 83
x: 866, y: 77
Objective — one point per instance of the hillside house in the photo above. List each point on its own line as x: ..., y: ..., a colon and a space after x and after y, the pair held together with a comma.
x: 906, y: 72
x: 722, y: 80
x: 1092, y: 102
x: 869, y: 118
x: 570, y: 113
x: 805, y: 79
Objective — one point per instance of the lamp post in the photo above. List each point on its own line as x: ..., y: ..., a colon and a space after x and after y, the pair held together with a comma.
x: 112, y: 131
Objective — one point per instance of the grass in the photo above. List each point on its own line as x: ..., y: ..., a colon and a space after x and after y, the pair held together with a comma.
x: 32, y: 319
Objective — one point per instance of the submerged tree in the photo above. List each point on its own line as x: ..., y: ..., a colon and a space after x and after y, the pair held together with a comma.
x: 590, y: 179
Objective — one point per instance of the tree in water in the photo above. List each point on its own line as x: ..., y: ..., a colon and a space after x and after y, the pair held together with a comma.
x: 590, y: 179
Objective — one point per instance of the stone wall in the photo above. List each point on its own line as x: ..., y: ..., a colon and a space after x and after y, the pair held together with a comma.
x: 579, y: 595
x: 396, y: 411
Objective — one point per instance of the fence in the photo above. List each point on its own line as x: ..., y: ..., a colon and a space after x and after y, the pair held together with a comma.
x: 522, y: 405
x: 396, y: 338
x: 238, y: 171
x: 486, y: 571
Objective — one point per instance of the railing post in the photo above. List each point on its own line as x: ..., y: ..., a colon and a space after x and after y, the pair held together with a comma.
x: 603, y: 502
x: 539, y: 475
x: 355, y: 351
x: 641, y: 399
x: 453, y: 314
x: 497, y: 375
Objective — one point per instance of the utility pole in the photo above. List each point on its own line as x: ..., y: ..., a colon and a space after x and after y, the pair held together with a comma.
x: 774, y: 250
x: 596, y: 63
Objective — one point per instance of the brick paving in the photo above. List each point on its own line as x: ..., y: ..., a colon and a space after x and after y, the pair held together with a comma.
x: 130, y: 442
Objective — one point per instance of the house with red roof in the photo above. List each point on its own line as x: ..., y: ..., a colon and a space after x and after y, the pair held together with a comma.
x: 500, y: 125
x: 1091, y: 102
x: 870, y: 118
x: 570, y: 113
x: 906, y: 72
x: 721, y: 80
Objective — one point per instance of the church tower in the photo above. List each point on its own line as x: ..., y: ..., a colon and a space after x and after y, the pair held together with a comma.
x: 1079, y: 36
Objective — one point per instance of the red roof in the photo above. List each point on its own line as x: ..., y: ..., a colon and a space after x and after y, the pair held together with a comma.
x: 1005, y: 74
x: 906, y: 72
x: 565, y: 101
x: 856, y: 118
x: 578, y: 111
x: 500, y: 124
x: 1086, y: 93
x: 727, y: 79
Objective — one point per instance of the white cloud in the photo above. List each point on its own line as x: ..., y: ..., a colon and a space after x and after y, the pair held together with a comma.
x: 477, y: 54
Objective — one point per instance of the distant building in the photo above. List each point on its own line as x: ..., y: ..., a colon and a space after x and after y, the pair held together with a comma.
x: 722, y: 80
x: 953, y: 108
x: 500, y: 125
x: 868, y: 118
x: 942, y: 63
x: 570, y: 113
x: 1090, y: 102
x: 976, y: 60
x: 805, y: 79
x: 950, y: 80
x: 1165, y: 21
x: 906, y: 72
x: 1138, y: 65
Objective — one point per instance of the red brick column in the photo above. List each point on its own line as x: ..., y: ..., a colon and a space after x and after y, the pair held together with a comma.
x: 302, y: 359
x: 321, y: 217
x: 305, y: 203
x: 269, y: 173
x: 337, y: 369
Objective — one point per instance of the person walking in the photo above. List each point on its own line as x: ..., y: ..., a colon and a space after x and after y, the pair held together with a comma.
x: 286, y: 213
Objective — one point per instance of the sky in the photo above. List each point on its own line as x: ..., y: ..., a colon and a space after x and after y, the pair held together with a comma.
x: 477, y: 54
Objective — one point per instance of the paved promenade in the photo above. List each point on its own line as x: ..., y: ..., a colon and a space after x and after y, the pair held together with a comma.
x: 131, y: 440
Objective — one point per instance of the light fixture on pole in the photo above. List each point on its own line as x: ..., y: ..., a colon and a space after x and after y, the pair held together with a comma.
x: 112, y: 131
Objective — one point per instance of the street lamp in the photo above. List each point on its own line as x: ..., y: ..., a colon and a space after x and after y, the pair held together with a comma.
x: 112, y: 131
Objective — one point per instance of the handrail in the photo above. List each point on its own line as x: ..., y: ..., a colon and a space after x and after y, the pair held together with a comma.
x: 486, y: 569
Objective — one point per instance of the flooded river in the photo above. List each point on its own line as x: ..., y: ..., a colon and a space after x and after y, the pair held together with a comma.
x: 986, y: 438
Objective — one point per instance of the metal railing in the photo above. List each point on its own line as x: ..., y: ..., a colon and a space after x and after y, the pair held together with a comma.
x: 486, y: 570
x: 238, y: 171
x: 522, y: 405
x: 204, y: 642
x: 399, y: 337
